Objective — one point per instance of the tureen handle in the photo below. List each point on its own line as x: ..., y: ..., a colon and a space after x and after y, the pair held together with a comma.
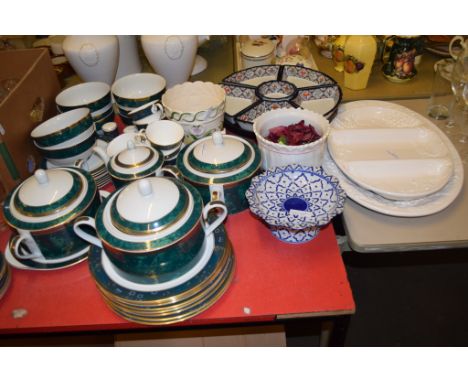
x: 210, y: 227
x: 15, y: 249
x: 86, y: 220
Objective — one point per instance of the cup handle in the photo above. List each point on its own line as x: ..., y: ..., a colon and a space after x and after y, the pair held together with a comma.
x: 172, y: 170
x: 157, y: 108
x: 455, y: 39
x: 140, y: 137
x: 15, y: 243
x: 86, y: 220
x: 101, y: 153
x: 210, y: 227
x: 79, y: 163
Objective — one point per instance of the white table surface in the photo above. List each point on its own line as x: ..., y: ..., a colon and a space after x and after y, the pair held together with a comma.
x: 370, y: 231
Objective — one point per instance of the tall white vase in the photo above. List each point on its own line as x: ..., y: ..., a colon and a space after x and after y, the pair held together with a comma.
x: 129, y: 61
x: 171, y: 56
x: 94, y: 58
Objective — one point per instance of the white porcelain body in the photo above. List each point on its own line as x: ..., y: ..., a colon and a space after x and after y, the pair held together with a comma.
x: 197, y: 106
x: 171, y: 56
x: 165, y: 135
x: 137, y: 87
x: 82, y: 94
x: 72, y: 141
x: 129, y: 60
x: 257, y: 52
x: 274, y: 154
x: 94, y: 58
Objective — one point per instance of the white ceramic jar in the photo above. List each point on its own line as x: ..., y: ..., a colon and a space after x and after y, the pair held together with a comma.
x: 94, y: 58
x: 257, y: 52
x: 172, y: 57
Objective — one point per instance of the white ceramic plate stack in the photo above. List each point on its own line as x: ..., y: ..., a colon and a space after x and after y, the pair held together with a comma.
x: 392, y: 160
x: 95, y: 166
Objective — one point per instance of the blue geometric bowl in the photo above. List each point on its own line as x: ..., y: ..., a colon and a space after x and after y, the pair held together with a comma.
x: 295, y: 201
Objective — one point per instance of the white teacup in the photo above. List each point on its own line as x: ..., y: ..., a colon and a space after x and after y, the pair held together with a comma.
x: 164, y: 135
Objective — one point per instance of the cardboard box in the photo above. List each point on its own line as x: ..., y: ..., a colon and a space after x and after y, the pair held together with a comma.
x: 30, y: 101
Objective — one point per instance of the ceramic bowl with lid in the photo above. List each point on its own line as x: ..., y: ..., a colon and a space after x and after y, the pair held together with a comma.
x: 257, y: 52
x: 220, y: 167
x: 134, y: 162
x: 42, y: 210
x: 153, y: 229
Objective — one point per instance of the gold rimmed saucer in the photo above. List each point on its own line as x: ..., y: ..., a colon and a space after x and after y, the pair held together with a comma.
x: 175, y: 299
x: 209, y: 300
x: 177, y: 308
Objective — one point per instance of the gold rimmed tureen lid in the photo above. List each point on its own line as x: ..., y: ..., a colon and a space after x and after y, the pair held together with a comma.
x: 219, y: 158
x: 135, y: 161
x: 220, y: 154
x: 49, y: 198
x: 149, y: 205
x: 48, y: 192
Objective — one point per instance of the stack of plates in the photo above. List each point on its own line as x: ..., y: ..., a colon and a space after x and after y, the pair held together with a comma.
x: 5, y: 275
x: 172, y: 301
x: 392, y: 160
x: 95, y: 166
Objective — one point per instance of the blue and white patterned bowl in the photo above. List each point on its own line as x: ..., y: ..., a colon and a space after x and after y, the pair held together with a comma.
x: 295, y: 201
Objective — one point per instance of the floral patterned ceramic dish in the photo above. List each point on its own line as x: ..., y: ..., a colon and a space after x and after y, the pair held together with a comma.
x: 251, y: 92
x: 295, y: 201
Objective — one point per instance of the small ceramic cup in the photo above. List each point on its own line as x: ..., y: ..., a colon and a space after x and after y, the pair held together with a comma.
x: 110, y: 131
x: 164, y: 135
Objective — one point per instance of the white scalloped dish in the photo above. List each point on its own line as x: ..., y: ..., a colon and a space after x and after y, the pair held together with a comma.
x: 421, y: 149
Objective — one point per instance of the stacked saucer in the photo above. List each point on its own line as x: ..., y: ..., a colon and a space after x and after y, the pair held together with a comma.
x: 172, y: 301
x: 94, y: 165
x: 5, y: 275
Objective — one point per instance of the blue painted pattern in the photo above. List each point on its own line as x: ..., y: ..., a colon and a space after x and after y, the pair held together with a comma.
x: 316, y: 196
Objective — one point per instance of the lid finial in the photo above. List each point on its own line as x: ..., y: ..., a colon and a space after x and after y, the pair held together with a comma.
x: 144, y: 186
x: 130, y: 145
x: 41, y: 176
x: 217, y: 138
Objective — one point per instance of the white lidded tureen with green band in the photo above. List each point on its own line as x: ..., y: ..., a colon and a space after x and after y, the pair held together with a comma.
x: 220, y: 167
x: 153, y: 229
x: 135, y: 162
x: 43, y: 208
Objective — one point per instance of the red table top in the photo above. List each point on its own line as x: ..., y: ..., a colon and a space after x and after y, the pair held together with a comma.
x: 272, y: 279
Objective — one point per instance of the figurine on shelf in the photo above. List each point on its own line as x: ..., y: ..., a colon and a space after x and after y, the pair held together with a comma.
x: 399, y: 57
x: 338, y: 53
x: 359, y: 56
x: 325, y: 43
